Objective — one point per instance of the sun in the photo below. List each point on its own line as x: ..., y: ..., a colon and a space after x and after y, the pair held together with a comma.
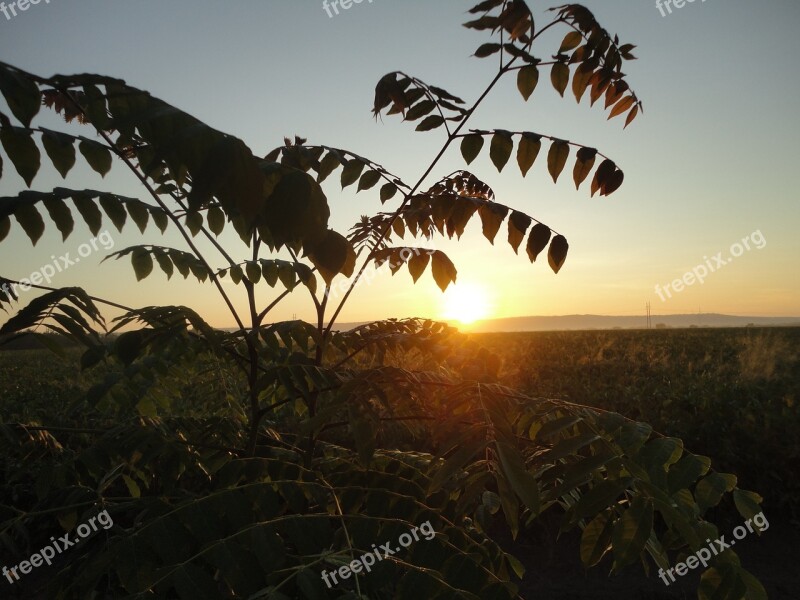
x: 466, y: 302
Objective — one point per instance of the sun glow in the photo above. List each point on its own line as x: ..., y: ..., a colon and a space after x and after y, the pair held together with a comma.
x: 466, y: 302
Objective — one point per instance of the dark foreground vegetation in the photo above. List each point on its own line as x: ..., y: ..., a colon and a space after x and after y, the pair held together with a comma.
x: 730, y: 394
x: 257, y: 462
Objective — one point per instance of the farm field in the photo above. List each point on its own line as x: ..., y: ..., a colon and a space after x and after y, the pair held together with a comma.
x: 729, y: 394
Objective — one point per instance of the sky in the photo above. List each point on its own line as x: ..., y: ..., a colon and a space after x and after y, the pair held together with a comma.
x: 710, y: 163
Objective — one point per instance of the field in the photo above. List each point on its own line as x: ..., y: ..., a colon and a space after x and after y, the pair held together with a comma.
x: 729, y: 394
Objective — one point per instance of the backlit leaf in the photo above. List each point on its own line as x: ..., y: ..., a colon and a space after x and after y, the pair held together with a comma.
x: 60, y: 149
x: 527, y: 79
x: 22, y: 151
x: 142, y: 263
x: 529, y: 146
x: 571, y: 41
x: 596, y: 539
x: 632, y: 531
x: 557, y: 253
x: 559, y: 76
x: 97, y: 155
x: 471, y: 146
x: 501, y: 147
x: 583, y: 165
x: 21, y: 94
x: 538, y: 240
x: 557, y: 158
x: 444, y: 271
x: 518, y: 224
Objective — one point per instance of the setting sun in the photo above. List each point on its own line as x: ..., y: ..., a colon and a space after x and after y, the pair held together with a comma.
x: 466, y: 302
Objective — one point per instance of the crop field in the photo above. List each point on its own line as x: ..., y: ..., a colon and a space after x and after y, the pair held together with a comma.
x: 729, y: 394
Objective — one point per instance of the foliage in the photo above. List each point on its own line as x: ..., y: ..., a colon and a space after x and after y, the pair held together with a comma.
x: 331, y: 451
x: 745, y: 380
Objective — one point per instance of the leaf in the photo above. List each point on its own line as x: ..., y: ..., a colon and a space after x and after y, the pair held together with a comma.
x: 133, y: 487
x: 334, y: 255
x: 557, y: 158
x: 580, y: 81
x: 369, y: 180
x: 487, y: 50
x: 60, y: 149
x: 142, y: 263
x: 631, y: 116
x: 163, y: 260
x: 139, y: 213
x: 571, y: 41
x: 686, y: 471
x: 388, y: 191
x: 527, y: 79
x: 471, y: 146
x: 351, y: 172
x: 747, y: 503
x: 253, y: 272
x: 327, y: 166
x: 621, y: 106
x: 501, y: 147
x: 721, y: 583
x: 711, y: 488
x: 596, y: 539
x: 444, y: 271
x: 518, y: 224
x: 431, y: 122
x: 559, y: 76
x: 89, y: 211
x: 97, y: 155
x: 114, y: 210
x: 557, y: 253
x: 599, y: 497
x: 22, y: 151
x: 61, y: 216
x: 631, y: 532
x: 755, y: 591
x: 30, y: 220
x: 21, y: 94
x: 417, y: 264
x: 522, y: 481
x: 613, y: 183
x: 583, y: 165
x: 602, y: 175
x: 420, y: 109
x: 297, y: 212
x: 538, y: 240
x: 216, y: 219
x: 529, y: 146
x: 492, y: 216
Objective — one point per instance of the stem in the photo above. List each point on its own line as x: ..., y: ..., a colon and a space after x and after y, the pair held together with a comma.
x: 408, y: 196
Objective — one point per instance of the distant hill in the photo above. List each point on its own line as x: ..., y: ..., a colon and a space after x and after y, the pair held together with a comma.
x: 582, y: 322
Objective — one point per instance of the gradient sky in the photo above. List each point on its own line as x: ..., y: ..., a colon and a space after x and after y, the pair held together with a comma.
x: 713, y: 159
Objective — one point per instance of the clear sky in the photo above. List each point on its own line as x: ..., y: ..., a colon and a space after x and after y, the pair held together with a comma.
x: 713, y: 160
